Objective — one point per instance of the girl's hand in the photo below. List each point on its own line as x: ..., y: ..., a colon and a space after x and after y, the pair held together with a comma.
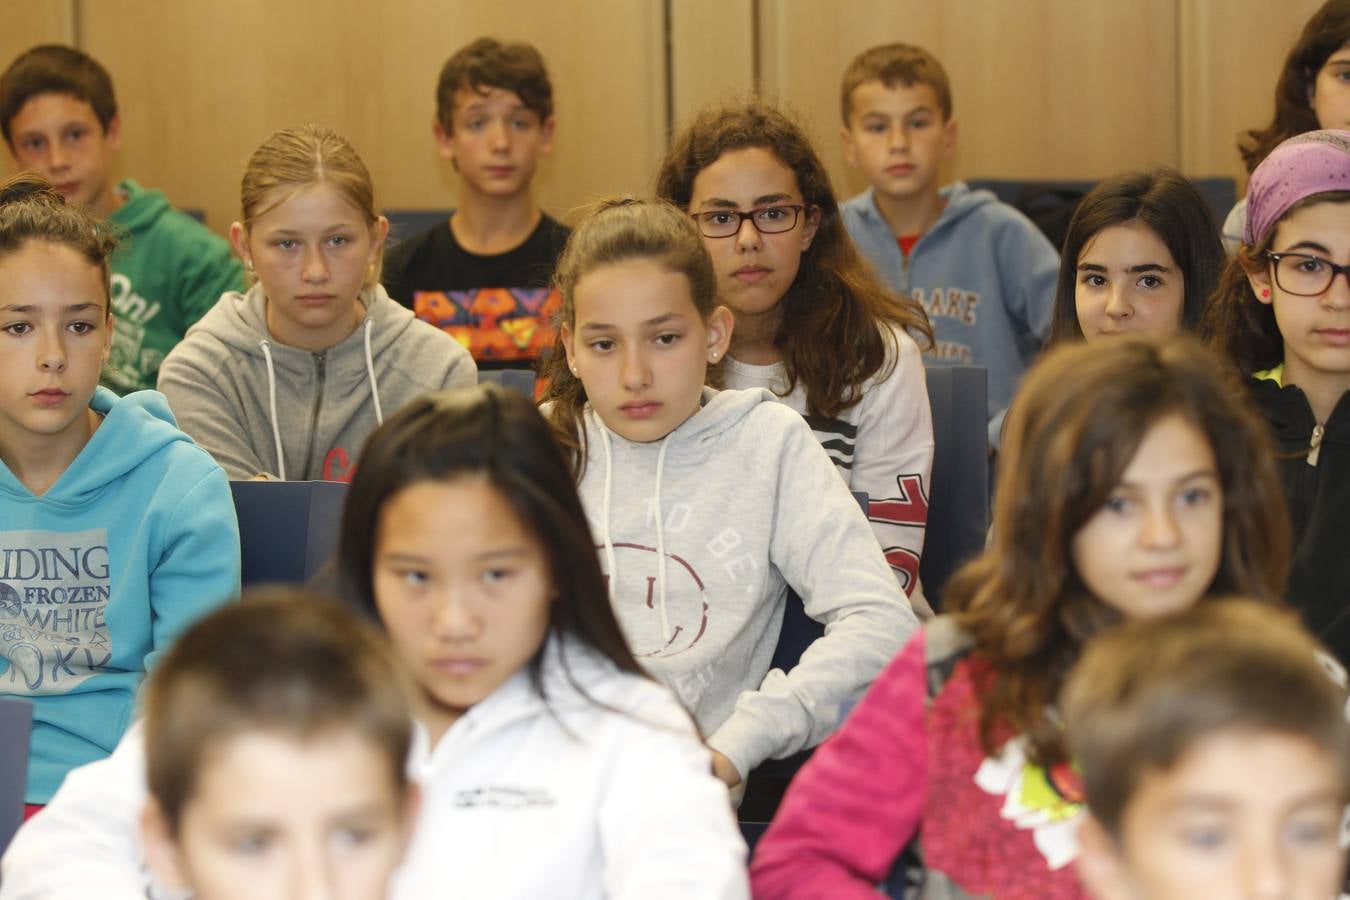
x: 724, y: 770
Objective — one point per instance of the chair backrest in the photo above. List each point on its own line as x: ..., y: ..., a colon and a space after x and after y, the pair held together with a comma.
x: 16, y: 724
x: 520, y: 379
x: 287, y: 529
x: 958, y: 495
x: 1220, y: 193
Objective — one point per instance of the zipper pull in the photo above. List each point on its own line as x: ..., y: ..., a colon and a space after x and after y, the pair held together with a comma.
x: 1315, y: 446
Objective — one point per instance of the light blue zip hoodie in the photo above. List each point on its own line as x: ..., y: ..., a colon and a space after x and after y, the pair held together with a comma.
x: 984, y: 274
x: 135, y: 540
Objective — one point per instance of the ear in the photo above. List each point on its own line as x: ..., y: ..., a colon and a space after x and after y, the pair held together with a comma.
x: 568, y: 342
x: 1100, y: 866
x: 445, y: 142
x: 379, y: 232
x: 850, y: 149
x: 112, y: 135
x: 412, y: 808
x: 721, y: 323
x: 108, y: 338
x: 239, y: 241
x: 949, y: 132
x: 546, y: 134
x: 1259, y: 279
x: 161, y: 848
x: 811, y: 227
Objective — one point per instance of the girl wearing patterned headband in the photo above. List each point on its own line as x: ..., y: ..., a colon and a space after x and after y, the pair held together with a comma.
x: 1282, y: 311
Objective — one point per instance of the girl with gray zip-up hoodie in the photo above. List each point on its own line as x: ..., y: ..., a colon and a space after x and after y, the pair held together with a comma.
x: 287, y: 380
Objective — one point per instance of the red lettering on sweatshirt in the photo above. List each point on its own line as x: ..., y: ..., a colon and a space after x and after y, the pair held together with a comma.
x: 337, y: 466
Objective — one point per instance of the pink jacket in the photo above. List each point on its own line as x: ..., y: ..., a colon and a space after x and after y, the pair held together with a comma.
x: 903, y: 759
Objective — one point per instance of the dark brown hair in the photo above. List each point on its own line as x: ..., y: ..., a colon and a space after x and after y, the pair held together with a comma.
x: 614, y: 231
x: 282, y: 661
x: 1064, y: 451
x: 32, y: 210
x: 1236, y: 322
x: 55, y: 69
x: 488, y: 63
x: 893, y: 64
x: 1176, y: 213
x: 1326, y: 32
x: 1148, y: 692
x: 495, y: 433
x: 837, y: 299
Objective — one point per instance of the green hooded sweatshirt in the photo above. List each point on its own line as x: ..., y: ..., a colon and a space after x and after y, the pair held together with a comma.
x: 167, y: 272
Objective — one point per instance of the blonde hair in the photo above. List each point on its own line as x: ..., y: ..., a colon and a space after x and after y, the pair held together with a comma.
x: 296, y: 158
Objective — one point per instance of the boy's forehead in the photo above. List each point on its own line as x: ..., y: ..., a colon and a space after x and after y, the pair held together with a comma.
x: 53, y: 109
x: 472, y: 98
x: 1236, y: 771
x: 874, y: 95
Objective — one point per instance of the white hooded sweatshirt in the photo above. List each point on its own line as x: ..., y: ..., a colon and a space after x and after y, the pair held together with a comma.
x: 701, y: 535
x: 520, y: 800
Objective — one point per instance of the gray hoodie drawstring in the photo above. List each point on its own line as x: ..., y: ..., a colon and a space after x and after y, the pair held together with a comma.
x: 370, y: 370
x: 272, y: 399
x: 660, y: 529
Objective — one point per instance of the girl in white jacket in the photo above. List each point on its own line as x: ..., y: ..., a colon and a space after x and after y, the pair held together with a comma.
x: 707, y: 506
x: 549, y: 765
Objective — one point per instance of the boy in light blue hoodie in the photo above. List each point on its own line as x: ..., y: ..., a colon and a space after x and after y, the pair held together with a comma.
x: 116, y: 531
x: 983, y: 272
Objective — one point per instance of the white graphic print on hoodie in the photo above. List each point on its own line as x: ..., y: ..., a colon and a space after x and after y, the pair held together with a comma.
x: 701, y: 534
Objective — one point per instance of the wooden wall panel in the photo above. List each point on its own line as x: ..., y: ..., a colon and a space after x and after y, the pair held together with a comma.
x: 225, y: 74
x: 713, y: 53
x: 1041, y: 88
x: 1231, y: 54
x: 26, y: 23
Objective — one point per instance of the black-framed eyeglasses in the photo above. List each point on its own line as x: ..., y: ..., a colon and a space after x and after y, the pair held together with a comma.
x: 776, y: 219
x: 1305, y: 275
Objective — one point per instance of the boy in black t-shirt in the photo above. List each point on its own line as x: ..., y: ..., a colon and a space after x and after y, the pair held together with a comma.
x: 484, y: 277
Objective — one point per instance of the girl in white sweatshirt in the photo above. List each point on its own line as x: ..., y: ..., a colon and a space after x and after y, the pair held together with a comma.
x: 708, y: 506
x: 549, y: 765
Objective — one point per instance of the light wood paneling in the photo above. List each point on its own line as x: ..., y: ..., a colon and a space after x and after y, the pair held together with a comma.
x: 1231, y: 54
x: 26, y: 23
x: 712, y: 53
x: 1041, y: 88
x: 225, y: 74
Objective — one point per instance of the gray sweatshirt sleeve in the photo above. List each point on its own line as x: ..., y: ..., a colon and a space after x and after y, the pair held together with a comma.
x: 207, y: 407
x: 827, y: 552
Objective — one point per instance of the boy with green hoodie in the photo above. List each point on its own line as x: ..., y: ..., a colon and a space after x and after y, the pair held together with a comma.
x: 59, y: 117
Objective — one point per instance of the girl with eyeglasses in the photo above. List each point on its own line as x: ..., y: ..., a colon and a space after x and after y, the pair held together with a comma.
x: 814, y: 325
x: 708, y: 505
x: 1282, y: 310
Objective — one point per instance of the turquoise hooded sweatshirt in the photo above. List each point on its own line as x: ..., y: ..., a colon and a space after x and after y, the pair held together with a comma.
x: 135, y: 541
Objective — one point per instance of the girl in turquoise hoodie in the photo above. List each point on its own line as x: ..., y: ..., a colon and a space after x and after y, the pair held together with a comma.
x: 116, y: 531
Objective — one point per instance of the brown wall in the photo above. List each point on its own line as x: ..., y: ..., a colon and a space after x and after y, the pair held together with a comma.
x: 1043, y: 88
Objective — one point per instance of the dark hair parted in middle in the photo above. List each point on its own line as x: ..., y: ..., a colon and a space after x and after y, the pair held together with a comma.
x: 490, y: 432
x: 1169, y: 206
x: 837, y: 299
x: 1073, y: 428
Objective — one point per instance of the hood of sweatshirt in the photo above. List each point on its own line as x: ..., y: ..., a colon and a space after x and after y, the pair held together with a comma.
x: 134, y: 428
x: 142, y: 208
x: 299, y: 408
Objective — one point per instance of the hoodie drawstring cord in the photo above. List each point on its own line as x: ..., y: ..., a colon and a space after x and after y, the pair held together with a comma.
x: 272, y: 400
x: 660, y: 527
x: 604, y: 509
x: 370, y: 370
x: 661, y: 542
